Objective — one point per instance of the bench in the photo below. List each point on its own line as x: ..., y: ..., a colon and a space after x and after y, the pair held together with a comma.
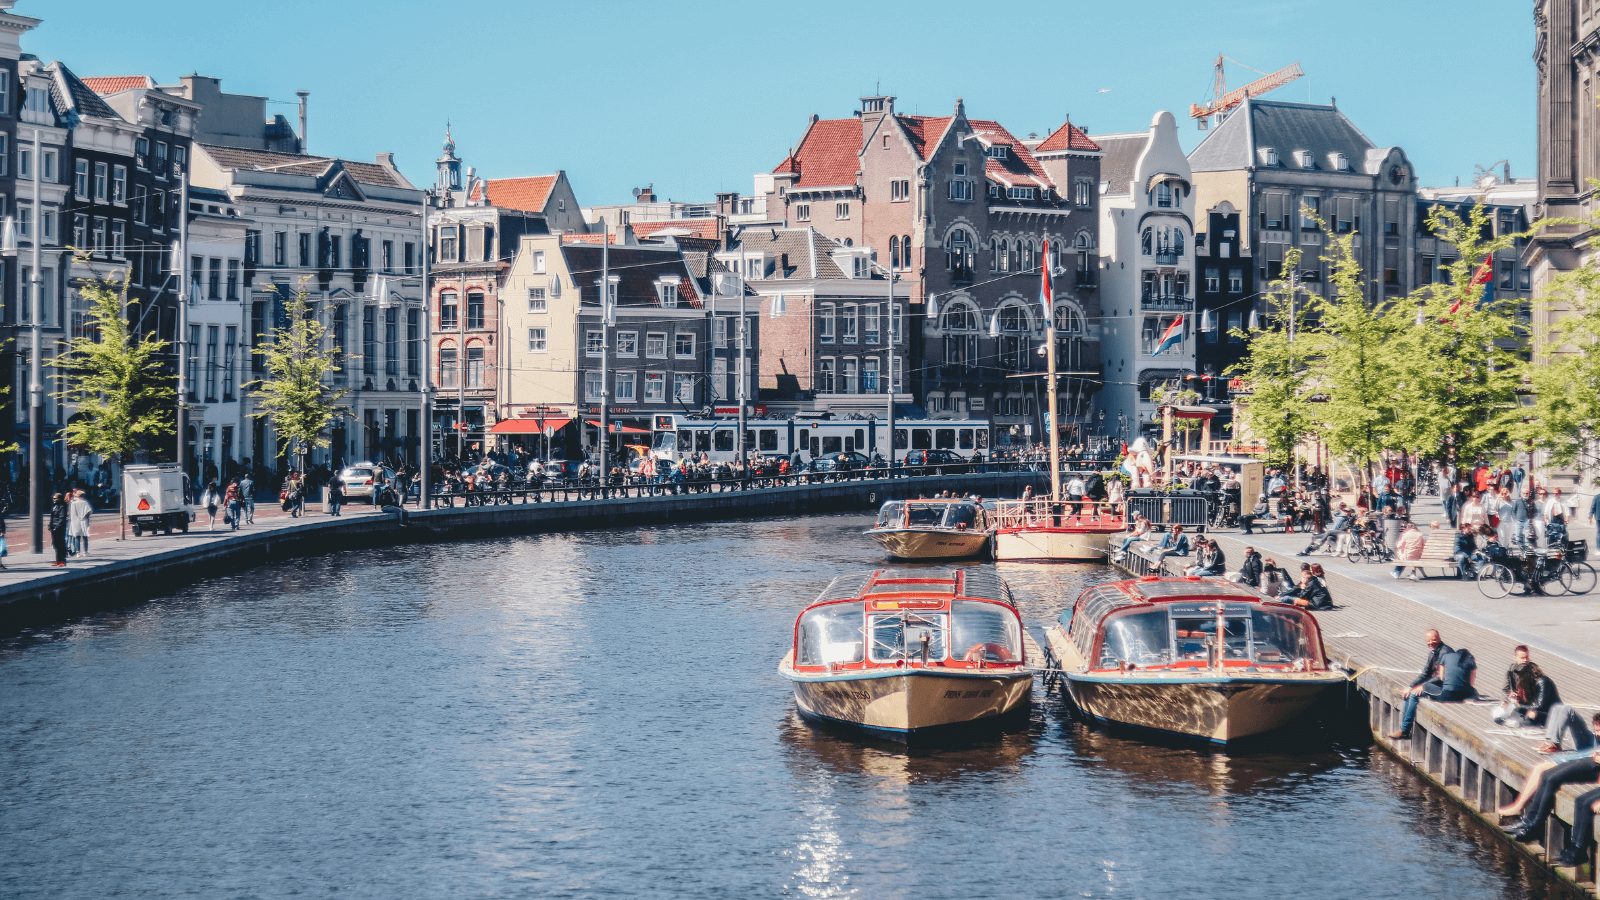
x: 1437, y: 553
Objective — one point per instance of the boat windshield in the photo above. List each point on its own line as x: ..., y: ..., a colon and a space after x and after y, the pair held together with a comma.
x: 830, y: 635
x: 1186, y: 633
x: 985, y: 631
x: 960, y: 515
x: 1138, y: 639
x: 922, y: 514
x: 891, y: 514
x: 908, y: 635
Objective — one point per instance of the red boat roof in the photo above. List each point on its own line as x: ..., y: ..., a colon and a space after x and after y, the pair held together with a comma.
x: 956, y: 584
x: 1154, y: 589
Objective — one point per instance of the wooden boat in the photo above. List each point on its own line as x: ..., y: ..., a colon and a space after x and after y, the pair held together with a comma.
x: 901, y: 655
x: 1045, y: 530
x: 1144, y: 652
x: 931, y: 529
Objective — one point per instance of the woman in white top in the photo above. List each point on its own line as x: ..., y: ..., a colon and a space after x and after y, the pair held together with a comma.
x: 78, y: 512
x: 1473, y: 513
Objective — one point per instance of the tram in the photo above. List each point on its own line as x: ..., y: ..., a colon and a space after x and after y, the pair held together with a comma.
x: 679, y: 436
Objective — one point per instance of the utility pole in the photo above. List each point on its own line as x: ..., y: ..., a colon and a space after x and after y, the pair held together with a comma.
x: 605, y: 352
x: 181, y: 339
x: 461, y: 370
x: 425, y: 423
x: 740, y: 372
x: 36, y: 492
x: 888, y: 371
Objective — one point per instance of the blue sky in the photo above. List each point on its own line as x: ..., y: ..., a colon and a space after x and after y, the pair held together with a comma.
x: 696, y: 97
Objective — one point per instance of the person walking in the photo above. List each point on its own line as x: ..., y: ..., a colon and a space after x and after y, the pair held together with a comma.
x: 209, y: 499
x: 58, y: 529
x: 247, y: 498
x: 336, y: 494
x: 5, y: 548
x: 233, y: 508
x: 78, y: 512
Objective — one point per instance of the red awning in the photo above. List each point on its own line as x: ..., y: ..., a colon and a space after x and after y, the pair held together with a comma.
x: 529, y: 426
x: 615, y: 427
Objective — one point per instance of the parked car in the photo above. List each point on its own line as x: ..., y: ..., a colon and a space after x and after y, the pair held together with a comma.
x: 357, y: 479
x: 926, y: 462
x: 837, y: 464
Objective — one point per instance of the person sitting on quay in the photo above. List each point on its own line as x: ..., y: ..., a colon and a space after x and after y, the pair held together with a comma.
x: 1338, y: 526
x: 1582, y: 835
x: 1408, y: 549
x: 1312, y: 591
x: 1446, y: 677
x: 1250, y: 569
x: 1173, y: 543
x: 1530, y: 694
x: 1210, y: 561
x: 1275, y: 579
x: 1533, y: 803
x: 1138, y: 530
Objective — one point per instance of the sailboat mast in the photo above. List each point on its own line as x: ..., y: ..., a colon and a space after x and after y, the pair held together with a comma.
x: 1055, y: 425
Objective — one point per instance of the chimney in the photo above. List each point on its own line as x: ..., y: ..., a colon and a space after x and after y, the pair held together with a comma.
x: 302, y: 95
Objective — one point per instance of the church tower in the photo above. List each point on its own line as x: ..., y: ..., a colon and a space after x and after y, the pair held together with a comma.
x: 448, y: 179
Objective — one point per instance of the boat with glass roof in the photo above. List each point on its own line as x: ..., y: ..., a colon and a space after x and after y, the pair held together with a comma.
x: 903, y: 654
x: 931, y: 529
x: 1146, y: 653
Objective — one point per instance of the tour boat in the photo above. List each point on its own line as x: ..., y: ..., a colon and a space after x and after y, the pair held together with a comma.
x: 1144, y: 652
x: 931, y: 529
x: 1040, y: 529
x: 902, y: 654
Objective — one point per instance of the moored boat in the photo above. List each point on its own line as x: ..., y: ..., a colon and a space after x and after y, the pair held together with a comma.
x: 1145, y: 652
x: 907, y: 654
x: 931, y: 529
x: 1040, y: 529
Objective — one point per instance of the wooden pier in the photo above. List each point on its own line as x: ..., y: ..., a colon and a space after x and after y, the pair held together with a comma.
x: 1377, y: 635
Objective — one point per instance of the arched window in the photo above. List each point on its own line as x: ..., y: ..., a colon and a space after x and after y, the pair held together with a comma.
x: 1016, y: 327
x: 1177, y: 241
x: 894, y: 252
x: 1005, y: 255
x: 449, y: 364
x: 958, y: 253
x: 1146, y: 242
x: 1070, y: 334
x: 959, y: 322
x: 905, y: 250
x: 994, y: 254
x: 1029, y: 252
x: 449, y: 309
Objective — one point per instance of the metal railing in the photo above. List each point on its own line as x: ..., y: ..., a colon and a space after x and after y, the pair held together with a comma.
x: 1043, y: 512
x: 1187, y: 508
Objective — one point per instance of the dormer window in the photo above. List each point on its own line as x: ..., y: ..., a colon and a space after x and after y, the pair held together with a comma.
x: 1269, y: 155
x: 1341, y: 162
x: 1020, y: 193
x: 999, y: 151
x: 667, y: 293
x: 1306, y: 160
x: 1164, y: 195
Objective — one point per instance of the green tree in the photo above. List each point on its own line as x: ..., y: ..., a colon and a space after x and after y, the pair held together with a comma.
x: 295, y: 395
x: 1565, y: 415
x: 117, y: 381
x: 1275, y: 370
x: 1460, y: 362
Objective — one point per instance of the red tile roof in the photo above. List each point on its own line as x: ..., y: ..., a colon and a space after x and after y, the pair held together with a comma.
x: 527, y: 194
x: 828, y: 154
x: 111, y: 84
x: 700, y: 228
x: 1067, y: 137
x: 588, y: 237
x: 1019, y: 163
x: 924, y: 130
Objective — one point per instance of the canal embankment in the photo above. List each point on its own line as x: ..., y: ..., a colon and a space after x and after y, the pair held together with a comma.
x: 121, y: 573
x: 1376, y: 633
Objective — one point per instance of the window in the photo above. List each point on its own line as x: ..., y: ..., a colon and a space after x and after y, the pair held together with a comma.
x: 474, y: 365
x: 960, y: 168
x: 536, y: 300
x: 957, y: 257
x: 825, y: 375
x: 102, y: 181
x: 387, y: 258
x: 537, y: 340
x: 80, y: 178
x: 391, y: 343
x: 1213, y: 278
x: 474, y: 309
x: 233, y: 276
x: 802, y: 212
x: 899, y: 189
x: 411, y: 256
x: 369, y: 341
x: 1019, y: 193
x: 197, y: 277
x: 999, y: 151
x: 848, y: 320
x: 625, y: 388
x: 849, y: 381
x: 305, y: 249
x: 655, y: 345
x: 1344, y: 215
x: 1082, y: 191
x: 655, y: 387
x: 413, y: 343
x: 869, y: 375
x: 448, y: 309
x: 666, y: 292
x: 119, y: 185
x: 841, y: 211
x: 1235, y: 281
x: 180, y: 157
x: 5, y: 93
x: 683, y: 387
x: 80, y: 230
x: 449, y: 239
x: 214, y: 279
x: 594, y: 341
x: 825, y: 323
x: 228, y: 352
x: 194, y: 362
x: 684, y: 345
x: 211, y: 363
x: 869, y: 323
x: 1269, y: 155
x: 280, y: 248
x: 1310, y: 212
x: 960, y: 189
x: 592, y: 386
x: 627, y: 343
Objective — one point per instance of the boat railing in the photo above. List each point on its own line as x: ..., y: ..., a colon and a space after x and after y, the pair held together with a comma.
x: 1043, y: 512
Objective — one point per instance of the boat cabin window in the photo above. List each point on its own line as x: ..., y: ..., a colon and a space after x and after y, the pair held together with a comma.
x: 830, y: 635
x: 925, y: 515
x: 1280, y: 637
x: 960, y: 515
x: 1192, y: 637
x: 903, y: 635
x: 986, y: 631
x: 1138, y: 639
x: 890, y: 514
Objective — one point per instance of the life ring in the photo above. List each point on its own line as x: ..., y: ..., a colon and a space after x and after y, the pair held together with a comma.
x: 979, y: 653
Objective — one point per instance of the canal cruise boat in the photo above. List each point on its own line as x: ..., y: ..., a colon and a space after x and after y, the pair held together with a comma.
x: 931, y: 529
x: 907, y: 654
x: 1041, y: 530
x: 1145, y: 653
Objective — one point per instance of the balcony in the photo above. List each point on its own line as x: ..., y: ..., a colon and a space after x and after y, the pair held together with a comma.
x: 1172, y: 302
x: 1167, y: 257
x: 1086, y: 280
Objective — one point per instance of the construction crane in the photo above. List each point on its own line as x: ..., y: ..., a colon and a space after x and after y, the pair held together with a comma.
x: 1224, y: 101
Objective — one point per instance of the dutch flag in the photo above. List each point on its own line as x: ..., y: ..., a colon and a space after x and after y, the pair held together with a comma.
x: 1172, y: 337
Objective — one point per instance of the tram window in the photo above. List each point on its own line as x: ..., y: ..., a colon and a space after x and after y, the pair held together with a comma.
x: 944, y: 438
x: 900, y: 439
x: 861, y: 437
x: 749, y: 439
x: 724, y: 439
x: 849, y: 443
x: 702, y: 440
x: 983, y: 438
x: 816, y: 446
x: 921, y: 439
x: 769, y: 439
x: 685, y: 440
x: 965, y: 436
x: 832, y: 444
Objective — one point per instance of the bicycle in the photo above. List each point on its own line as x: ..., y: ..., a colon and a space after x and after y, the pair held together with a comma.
x: 1368, y: 546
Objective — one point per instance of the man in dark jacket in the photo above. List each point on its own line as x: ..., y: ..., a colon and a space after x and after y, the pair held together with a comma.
x: 1462, y: 552
x: 58, y: 529
x: 1250, y: 569
x: 1437, y: 649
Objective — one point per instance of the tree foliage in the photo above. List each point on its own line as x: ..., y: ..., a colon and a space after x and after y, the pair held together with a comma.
x: 296, y: 395
x: 117, y: 381
x: 1565, y: 416
x: 1276, y: 411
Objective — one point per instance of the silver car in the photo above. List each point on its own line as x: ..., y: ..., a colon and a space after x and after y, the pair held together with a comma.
x: 358, y: 479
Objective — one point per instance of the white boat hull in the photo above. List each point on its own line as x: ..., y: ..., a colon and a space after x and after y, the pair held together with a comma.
x: 931, y: 543
x: 1060, y: 544
x: 903, y: 703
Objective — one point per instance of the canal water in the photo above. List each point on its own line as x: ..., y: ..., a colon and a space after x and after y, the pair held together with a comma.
x: 599, y: 715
